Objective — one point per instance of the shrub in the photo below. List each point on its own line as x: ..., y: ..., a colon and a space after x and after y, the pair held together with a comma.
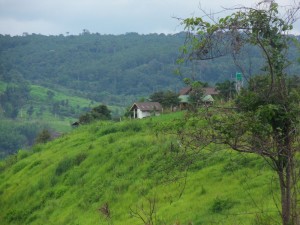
x: 221, y: 205
x: 43, y: 137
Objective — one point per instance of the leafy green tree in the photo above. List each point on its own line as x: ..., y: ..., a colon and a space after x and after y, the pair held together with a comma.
x: 196, y: 94
x: 43, y: 137
x: 10, y: 138
x: 14, y: 98
x: 157, y: 97
x: 170, y: 99
x: 100, y: 112
x: 166, y: 99
x: 226, y: 89
x: 265, y: 118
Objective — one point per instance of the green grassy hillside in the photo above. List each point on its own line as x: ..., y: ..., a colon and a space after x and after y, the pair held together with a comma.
x: 41, y: 108
x: 115, y: 173
x: 68, y: 107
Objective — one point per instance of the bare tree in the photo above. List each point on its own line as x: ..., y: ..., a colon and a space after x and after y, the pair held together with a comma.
x: 146, y: 213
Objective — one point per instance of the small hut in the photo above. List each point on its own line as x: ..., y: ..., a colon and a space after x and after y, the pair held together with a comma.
x: 145, y: 109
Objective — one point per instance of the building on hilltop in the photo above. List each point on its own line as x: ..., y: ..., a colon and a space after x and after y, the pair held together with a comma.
x: 145, y: 109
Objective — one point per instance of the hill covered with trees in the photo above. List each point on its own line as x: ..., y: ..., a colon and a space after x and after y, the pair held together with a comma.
x: 49, y: 81
x: 112, y: 69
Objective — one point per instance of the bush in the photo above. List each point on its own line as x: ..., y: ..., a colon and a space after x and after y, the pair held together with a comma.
x: 43, y: 137
x: 221, y: 205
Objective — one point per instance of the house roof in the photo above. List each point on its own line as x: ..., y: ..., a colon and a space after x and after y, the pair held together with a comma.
x: 210, y: 91
x: 147, y: 106
x: 185, y: 91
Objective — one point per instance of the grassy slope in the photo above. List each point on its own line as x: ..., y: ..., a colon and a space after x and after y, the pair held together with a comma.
x: 66, y: 181
x: 39, y: 98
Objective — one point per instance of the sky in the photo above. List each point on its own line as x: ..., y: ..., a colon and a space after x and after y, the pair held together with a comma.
x: 54, y: 17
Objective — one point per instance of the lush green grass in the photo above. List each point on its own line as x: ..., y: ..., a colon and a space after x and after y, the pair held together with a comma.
x: 39, y: 98
x: 39, y: 93
x: 128, y: 165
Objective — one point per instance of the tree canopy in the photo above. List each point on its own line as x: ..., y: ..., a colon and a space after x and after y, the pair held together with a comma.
x: 100, y: 112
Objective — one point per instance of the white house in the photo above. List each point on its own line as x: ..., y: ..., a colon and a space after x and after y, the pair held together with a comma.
x: 145, y: 109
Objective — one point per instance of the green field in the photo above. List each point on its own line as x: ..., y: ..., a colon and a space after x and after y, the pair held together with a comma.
x: 132, y: 166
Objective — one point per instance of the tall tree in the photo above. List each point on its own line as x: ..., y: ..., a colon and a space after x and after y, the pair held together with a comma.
x: 265, y: 117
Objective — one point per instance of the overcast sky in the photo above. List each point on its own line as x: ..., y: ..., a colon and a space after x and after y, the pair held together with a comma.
x: 105, y: 16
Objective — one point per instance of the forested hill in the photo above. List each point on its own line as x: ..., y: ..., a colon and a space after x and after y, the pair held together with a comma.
x: 106, y: 68
x: 96, y: 66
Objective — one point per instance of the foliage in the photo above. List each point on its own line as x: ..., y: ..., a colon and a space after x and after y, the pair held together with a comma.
x: 196, y: 94
x: 14, y: 135
x: 106, y: 68
x: 226, y: 89
x: 14, y: 98
x: 43, y: 137
x: 113, y: 69
x: 266, y: 119
x: 100, y: 112
x: 165, y: 98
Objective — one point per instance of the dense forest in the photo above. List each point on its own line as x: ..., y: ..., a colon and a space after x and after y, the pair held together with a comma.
x: 110, y: 68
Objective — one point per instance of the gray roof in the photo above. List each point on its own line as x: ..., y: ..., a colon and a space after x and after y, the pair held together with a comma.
x: 147, y: 106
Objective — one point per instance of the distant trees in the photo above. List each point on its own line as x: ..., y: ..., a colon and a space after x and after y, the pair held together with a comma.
x: 15, y: 96
x: 100, y: 112
x: 226, y: 89
x: 120, y: 65
x: 14, y: 136
x: 165, y: 98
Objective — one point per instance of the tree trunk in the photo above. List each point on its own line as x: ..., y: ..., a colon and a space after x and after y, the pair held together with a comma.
x: 285, y: 170
x: 285, y: 199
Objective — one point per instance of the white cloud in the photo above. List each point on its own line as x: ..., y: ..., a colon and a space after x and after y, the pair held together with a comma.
x: 103, y: 16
